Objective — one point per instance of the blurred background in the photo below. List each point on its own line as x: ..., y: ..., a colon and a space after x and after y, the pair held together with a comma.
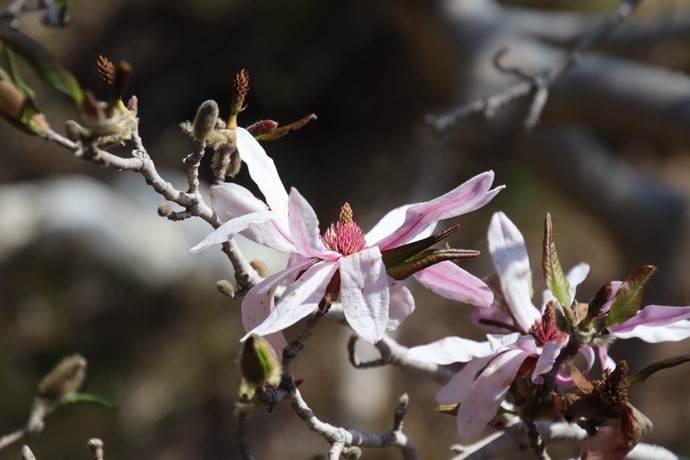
x: 87, y: 266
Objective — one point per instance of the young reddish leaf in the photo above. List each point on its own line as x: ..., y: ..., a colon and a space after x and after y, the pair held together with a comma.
x: 657, y: 366
x: 283, y: 130
x: 553, y: 272
x: 627, y: 301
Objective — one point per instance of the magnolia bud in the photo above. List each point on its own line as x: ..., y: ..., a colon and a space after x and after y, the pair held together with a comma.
x: 205, y: 120
x: 226, y: 288
x: 259, y: 364
x: 61, y: 382
x: 260, y: 268
x: 75, y: 132
x: 165, y: 210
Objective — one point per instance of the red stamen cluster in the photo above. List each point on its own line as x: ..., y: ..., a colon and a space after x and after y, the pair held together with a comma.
x: 345, y: 236
x: 545, y: 329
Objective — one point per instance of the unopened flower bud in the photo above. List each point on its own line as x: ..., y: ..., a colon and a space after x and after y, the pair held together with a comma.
x: 75, y: 132
x: 165, y: 210
x: 260, y: 268
x: 225, y: 287
x: 205, y: 120
x: 64, y: 380
x: 259, y: 364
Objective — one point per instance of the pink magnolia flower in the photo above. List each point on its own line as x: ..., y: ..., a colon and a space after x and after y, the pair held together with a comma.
x: 481, y: 386
x: 372, y: 301
x: 654, y: 323
x: 493, y: 365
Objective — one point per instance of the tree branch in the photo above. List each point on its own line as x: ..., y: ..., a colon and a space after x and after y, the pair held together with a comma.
x: 537, y: 85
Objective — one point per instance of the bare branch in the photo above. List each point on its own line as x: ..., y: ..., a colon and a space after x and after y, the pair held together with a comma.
x: 539, y: 84
x: 192, y: 201
x: 395, y: 354
x: 515, y: 434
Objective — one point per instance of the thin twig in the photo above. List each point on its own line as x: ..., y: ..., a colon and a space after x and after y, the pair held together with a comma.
x: 500, y: 442
x: 392, y: 353
x: 192, y: 201
x: 538, y: 85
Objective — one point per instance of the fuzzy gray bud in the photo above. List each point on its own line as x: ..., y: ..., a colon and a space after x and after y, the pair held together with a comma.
x: 62, y: 381
x: 205, y: 120
x: 225, y: 288
x: 164, y: 210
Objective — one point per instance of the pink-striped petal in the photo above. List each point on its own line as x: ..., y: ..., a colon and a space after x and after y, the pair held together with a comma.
x: 656, y: 323
x: 401, y: 304
x: 485, y: 317
x: 387, y: 225
x: 260, y: 301
x: 509, y: 253
x: 604, y: 358
x: 452, y: 282
x: 299, y: 299
x: 304, y: 226
x: 469, y: 196
x: 546, y: 359
x: 450, y: 350
x: 484, y: 397
x: 457, y: 387
x: 231, y: 201
x: 364, y: 293
x: 263, y: 172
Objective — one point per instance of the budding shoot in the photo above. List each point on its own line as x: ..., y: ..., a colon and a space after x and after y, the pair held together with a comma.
x: 205, y: 120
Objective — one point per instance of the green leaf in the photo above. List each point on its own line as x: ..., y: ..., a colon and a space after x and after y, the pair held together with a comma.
x: 43, y: 63
x: 553, y: 272
x: 402, y: 253
x: 657, y: 366
x: 90, y: 398
x: 425, y: 259
x: 628, y: 299
x: 283, y: 130
x: 10, y: 66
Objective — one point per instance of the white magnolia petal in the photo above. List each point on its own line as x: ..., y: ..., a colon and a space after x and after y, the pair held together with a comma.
x: 450, y: 350
x: 364, y: 293
x: 452, y: 282
x: 299, y: 299
x: 656, y: 323
x: 304, y: 226
x: 546, y: 359
x: 387, y: 225
x: 401, y: 304
x: 492, y: 319
x: 260, y: 300
x: 499, y: 341
x: 228, y: 229
x: 673, y: 332
x: 604, y: 359
x: 509, y: 253
x: 263, y: 172
x: 575, y: 276
x: 487, y: 392
x: 457, y: 387
x: 230, y: 200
